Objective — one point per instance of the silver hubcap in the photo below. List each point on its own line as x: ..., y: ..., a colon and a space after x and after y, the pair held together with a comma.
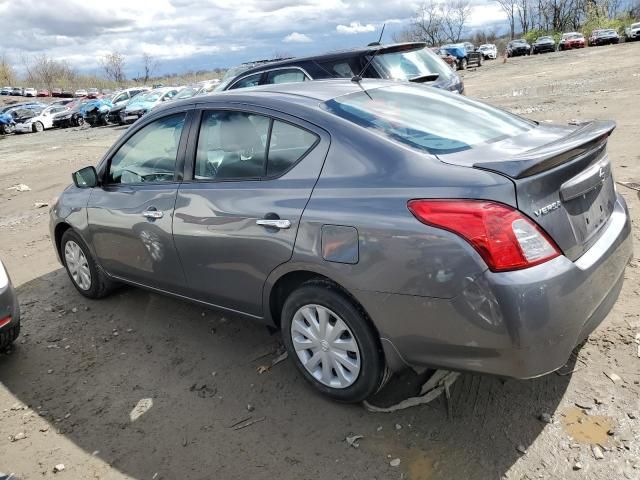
x: 325, y: 346
x: 77, y: 265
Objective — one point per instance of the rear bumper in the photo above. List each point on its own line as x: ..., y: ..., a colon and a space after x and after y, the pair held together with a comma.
x: 518, y: 324
x: 9, y: 307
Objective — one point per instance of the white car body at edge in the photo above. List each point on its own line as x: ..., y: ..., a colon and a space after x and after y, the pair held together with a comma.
x: 45, y: 118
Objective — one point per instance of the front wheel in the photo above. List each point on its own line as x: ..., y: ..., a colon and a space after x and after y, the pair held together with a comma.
x: 332, y: 343
x: 38, y: 127
x: 463, y: 64
x: 85, y: 274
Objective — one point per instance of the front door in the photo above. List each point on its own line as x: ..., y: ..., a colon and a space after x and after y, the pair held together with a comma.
x: 131, y: 213
x: 238, y: 210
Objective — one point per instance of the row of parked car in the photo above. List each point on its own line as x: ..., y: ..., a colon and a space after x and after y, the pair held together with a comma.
x: 120, y: 108
x: 571, y: 40
x: 55, y: 92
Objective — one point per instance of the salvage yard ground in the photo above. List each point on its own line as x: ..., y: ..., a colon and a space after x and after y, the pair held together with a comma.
x: 145, y: 387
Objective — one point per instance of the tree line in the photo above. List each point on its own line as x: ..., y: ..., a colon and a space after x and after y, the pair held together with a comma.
x: 43, y: 71
x: 436, y: 22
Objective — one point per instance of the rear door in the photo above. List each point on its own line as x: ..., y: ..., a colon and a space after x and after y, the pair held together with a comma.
x: 131, y: 213
x: 247, y: 181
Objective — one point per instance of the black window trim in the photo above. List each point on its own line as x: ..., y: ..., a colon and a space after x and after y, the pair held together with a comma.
x: 178, y: 173
x: 192, y: 150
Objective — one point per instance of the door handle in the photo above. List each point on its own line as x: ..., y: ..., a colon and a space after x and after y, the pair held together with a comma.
x: 277, y: 223
x: 153, y: 214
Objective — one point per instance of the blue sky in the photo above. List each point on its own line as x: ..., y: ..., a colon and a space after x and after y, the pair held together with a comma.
x: 200, y: 35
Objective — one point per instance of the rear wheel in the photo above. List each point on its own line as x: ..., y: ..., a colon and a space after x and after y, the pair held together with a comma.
x: 332, y: 343
x: 38, y: 127
x: 85, y: 274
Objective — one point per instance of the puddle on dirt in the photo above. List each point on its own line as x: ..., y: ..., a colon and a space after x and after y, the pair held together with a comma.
x: 589, y: 429
x: 419, y: 465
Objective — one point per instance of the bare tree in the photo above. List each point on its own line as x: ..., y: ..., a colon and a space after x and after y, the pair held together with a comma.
x: 113, y: 65
x: 7, y: 75
x: 454, y: 17
x: 150, y: 65
x: 42, y: 71
x: 509, y: 8
x: 427, y: 24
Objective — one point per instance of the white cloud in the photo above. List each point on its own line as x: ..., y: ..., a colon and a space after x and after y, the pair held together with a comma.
x: 355, y: 27
x: 296, y: 37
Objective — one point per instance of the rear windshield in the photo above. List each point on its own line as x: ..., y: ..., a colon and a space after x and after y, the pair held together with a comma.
x: 426, y: 118
x: 411, y: 65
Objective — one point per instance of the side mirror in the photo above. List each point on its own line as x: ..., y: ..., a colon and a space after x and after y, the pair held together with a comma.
x: 86, y: 177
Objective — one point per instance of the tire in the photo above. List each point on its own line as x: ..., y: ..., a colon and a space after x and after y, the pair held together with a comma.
x: 8, y: 336
x: 79, y: 121
x: 99, y: 285
x: 38, y: 127
x: 463, y: 64
x: 316, y: 297
x: 6, y: 129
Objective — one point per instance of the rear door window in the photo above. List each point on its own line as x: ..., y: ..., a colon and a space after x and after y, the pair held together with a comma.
x: 231, y: 146
x: 289, y: 75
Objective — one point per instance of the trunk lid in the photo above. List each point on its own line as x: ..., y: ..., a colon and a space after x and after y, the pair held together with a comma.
x: 562, y: 176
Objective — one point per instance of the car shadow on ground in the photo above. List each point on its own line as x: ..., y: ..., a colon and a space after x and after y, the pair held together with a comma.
x: 194, y: 374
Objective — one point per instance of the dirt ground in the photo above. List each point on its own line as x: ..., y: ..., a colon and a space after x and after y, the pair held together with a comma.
x: 144, y: 387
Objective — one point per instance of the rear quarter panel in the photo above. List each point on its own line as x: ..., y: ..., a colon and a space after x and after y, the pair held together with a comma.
x: 366, y: 183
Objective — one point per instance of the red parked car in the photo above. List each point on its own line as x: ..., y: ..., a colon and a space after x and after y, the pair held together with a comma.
x: 571, y: 40
x: 43, y: 92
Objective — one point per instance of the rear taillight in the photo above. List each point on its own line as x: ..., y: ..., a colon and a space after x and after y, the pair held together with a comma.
x: 504, y: 237
x: 5, y: 321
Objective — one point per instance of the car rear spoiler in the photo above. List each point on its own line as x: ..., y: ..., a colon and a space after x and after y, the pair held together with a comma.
x: 583, y: 139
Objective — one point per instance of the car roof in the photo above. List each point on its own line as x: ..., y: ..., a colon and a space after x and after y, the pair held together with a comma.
x: 323, y: 57
x: 311, y: 94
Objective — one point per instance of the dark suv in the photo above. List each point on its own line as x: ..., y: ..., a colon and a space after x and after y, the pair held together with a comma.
x: 414, y: 62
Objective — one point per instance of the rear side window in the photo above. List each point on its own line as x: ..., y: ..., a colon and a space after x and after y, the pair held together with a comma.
x: 149, y: 156
x: 250, y: 81
x: 426, y: 118
x: 288, y: 144
x: 290, y: 75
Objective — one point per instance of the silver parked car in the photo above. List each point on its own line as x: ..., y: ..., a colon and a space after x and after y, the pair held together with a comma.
x: 9, y: 310
x: 379, y: 225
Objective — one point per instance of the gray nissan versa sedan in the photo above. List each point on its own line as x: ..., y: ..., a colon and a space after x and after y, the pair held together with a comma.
x: 378, y: 224
x: 9, y: 311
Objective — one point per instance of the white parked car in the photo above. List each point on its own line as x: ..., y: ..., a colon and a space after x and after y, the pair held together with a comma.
x: 489, y: 50
x: 30, y: 92
x: 41, y: 121
x: 80, y: 93
x: 633, y: 32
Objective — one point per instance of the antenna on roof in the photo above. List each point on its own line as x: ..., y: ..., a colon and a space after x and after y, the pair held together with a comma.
x: 379, y: 42
x: 358, y: 78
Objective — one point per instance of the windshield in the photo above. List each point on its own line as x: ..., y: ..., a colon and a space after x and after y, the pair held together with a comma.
x: 412, y: 64
x: 577, y: 35
x: 230, y: 75
x: 427, y: 119
x: 147, y: 97
x: 606, y: 32
x: 635, y: 25
x: 541, y: 39
x: 187, y: 93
